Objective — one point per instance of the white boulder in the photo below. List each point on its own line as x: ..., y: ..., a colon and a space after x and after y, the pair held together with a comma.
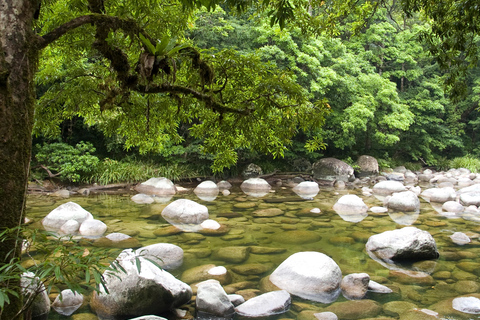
x: 309, y: 275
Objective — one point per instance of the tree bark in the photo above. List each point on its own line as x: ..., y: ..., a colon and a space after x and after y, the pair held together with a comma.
x: 18, y: 61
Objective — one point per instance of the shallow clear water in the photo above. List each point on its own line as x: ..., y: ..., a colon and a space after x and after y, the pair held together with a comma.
x: 454, y: 274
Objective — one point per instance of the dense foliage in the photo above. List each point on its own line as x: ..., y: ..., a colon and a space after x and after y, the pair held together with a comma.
x: 385, y: 93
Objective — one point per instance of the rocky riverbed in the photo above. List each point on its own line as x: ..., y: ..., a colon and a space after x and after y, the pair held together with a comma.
x: 249, y: 231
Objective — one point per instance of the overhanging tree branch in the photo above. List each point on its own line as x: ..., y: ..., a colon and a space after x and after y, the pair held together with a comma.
x: 111, y: 22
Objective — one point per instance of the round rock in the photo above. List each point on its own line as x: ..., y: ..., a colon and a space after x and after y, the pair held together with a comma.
x: 309, y: 275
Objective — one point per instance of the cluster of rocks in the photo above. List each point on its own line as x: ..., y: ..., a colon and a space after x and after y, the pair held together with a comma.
x: 143, y: 290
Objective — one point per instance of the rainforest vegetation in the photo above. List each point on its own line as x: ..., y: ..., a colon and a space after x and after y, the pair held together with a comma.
x: 209, y: 85
x: 375, y: 89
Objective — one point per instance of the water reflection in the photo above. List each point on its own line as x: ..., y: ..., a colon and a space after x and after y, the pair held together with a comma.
x: 404, y: 218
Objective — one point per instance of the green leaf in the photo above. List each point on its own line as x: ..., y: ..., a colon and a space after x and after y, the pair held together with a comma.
x: 147, y: 43
x: 161, y: 46
x: 138, y: 263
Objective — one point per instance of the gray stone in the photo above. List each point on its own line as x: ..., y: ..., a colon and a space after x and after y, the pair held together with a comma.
x: 368, y: 166
x: 157, y: 186
x: 168, y: 256
x: 267, y: 304
x: 67, y: 302
x: 142, y: 198
x: 255, y: 187
x: 452, y: 206
x: 212, y: 300
x: 33, y: 288
x: 470, y: 199
x: 441, y: 195
x: 325, y: 316
x: 469, y: 305
x: 236, y: 299
x: 460, y: 238
x: 306, y: 189
x: 333, y: 169
x: 224, y: 185
x: 67, y: 211
x: 406, y: 244
x: 404, y: 201
x: 378, y: 288
x: 185, y: 214
x: 69, y: 227
x: 354, y: 286
x: 351, y: 208
x: 309, y: 275
x: 252, y: 171
x: 92, y: 228
x: 132, y: 293
x: 388, y: 187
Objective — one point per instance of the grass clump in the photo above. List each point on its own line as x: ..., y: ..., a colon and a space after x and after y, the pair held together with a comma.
x: 113, y: 171
x: 469, y: 162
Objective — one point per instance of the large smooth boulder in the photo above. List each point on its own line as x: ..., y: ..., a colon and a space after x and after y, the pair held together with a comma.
x: 470, y: 198
x: 309, y: 275
x: 440, y: 195
x: 63, y: 213
x: 92, y: 228
x: 470, y: 305
x: 256, y: 187
x: 388, y: 187
x: 212, y: 301
x: 185, y: 214
x: 406, y: 244
x: 168, y: 256
x: 207, y: 190
x: 157, y: 186
x: 132, y: 293
x: 333, y: 169
x: 265, y: 305
x: 351, y: 208
x: 367, y: 166
x: 306, y: 189
x: 406, y: 201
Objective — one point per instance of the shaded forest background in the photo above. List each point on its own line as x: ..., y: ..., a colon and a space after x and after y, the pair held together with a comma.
x: 388, y: 97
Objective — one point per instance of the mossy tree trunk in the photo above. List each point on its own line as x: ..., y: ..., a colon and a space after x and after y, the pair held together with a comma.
x: 18, y: 59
